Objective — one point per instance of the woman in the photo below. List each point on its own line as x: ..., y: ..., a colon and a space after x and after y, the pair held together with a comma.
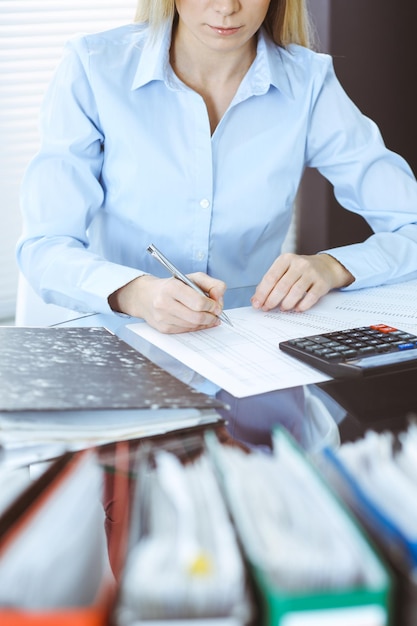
x: 191, y: 130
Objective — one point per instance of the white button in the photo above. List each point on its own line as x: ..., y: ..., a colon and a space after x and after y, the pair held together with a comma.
x: 204, y: 203
x: 200, y: 255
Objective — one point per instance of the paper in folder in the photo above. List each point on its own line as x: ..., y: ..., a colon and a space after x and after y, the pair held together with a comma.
x: 183, y: 565
x: 54, y: 568
x: 311, y: 563
x: 377, y: 477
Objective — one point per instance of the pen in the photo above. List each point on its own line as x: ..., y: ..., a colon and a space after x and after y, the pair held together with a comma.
x: 153, y: 250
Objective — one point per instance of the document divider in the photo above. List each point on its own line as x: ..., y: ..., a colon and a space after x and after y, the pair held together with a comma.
x: 365, y: 602
x: 21, y: 516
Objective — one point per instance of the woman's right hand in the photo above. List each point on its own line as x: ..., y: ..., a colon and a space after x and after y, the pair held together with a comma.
x: 169, y: 305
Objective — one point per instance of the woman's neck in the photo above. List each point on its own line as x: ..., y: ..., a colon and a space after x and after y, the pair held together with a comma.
x: 199, y: 64
x: 215, y: 75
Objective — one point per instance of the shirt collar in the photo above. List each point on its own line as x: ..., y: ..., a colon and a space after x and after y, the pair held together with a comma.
x: 154, y: 60
x: 269, y: 67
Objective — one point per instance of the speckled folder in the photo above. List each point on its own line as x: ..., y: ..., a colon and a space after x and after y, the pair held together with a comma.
x: 71, y: 368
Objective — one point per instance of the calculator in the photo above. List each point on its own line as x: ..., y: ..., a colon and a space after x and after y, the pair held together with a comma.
x: 363, y: 351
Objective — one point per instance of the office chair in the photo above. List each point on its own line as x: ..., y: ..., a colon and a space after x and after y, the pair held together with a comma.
x: 32, y: 311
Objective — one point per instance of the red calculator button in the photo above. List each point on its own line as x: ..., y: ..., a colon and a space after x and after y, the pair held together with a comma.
x: 383, y: 328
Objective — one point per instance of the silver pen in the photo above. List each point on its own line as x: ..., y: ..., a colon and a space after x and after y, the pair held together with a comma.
x: 153, y: 250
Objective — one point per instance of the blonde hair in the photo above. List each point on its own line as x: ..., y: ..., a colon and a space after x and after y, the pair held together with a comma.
x: 287, y: 21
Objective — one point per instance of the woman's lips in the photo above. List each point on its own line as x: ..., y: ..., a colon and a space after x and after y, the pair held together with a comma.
x: 225, y: 31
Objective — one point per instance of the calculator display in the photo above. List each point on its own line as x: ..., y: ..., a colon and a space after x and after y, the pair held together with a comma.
x: 359, y: 351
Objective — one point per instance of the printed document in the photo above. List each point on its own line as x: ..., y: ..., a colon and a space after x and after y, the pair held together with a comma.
x: 245, y: 360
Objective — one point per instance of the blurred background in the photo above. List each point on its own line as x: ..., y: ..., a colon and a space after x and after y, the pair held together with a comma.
x: 32, y: 36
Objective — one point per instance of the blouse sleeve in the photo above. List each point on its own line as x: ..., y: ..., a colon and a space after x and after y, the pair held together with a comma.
x: 61, y: 193
x: 347, y: 149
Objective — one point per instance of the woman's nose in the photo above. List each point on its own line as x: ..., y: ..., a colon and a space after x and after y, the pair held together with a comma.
x: 226, y: 7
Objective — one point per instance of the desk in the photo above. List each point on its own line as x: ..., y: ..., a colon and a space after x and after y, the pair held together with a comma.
x: 311, y: 414
x: 317, y: 415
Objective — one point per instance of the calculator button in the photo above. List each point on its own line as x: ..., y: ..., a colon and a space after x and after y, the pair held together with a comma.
x: 333, y: 344
x: 333, y: 356
x: 311, y: 348
x: 322, y: 352
x: 384, y: 347
x: 366, y: 350
x: 383, y: 328
x: 320, y: 339
x: 407, y: 346
x: 349, y: 354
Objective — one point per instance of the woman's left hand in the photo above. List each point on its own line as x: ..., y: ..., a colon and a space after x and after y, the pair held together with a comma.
x: 295, y: 282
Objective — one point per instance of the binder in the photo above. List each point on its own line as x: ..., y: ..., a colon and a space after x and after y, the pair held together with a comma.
x: 33, y: 522
x: 397, y: 546
x: 348, y: 606
x: 366, y: 602
x: 172, y: 478
x: 83, y: 386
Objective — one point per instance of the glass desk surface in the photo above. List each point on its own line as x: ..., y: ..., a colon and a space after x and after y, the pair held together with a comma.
x: 307, y: 412
x: 316, y: 415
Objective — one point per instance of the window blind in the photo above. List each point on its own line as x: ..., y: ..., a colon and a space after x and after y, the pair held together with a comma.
x: 32, y: 36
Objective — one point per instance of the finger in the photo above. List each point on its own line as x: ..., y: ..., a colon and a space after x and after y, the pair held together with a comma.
x: 164, y: 309
x: 189, y: 309
x: 295, y: 295
x: 287, y: 291
x: 213, y: 287
x: 196, y: 302
x: 179, y: 319
x: 271, y: 282
x: 310, y: 299
x: 181, y: 327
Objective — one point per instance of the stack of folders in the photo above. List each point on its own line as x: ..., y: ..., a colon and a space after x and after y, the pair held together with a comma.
x: 73, y: 388
x: 54, y: 568
x: 311, y: 563
x: 377, y: 476
x: 184, y: 565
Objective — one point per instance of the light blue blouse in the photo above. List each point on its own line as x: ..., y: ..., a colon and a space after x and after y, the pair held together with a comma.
x: 127, y: 159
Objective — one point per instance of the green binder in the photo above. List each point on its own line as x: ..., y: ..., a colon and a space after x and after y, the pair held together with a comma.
x: 347, y: 607
x: 367, y: 604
